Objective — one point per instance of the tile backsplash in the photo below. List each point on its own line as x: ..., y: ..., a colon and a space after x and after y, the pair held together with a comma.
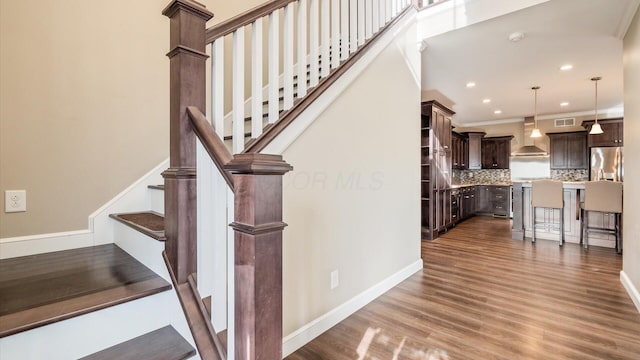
x: 570, y: 175
x: 503, y: 176
x: 485, y: 177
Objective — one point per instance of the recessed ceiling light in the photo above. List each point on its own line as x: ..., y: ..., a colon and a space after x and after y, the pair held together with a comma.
x: 471, y: 84
x: 566, y: 67
x: 564, y: 103
x: 486, y: 101
x: 498, y: 112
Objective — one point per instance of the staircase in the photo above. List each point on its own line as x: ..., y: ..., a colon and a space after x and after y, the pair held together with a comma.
x: 138, y: 296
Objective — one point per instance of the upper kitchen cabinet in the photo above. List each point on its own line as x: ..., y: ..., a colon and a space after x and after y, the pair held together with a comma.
x: 495, y: 152
x: 612, y: 132
x: 459, y: 151
x: 474, y: 142
x: 568, y: 150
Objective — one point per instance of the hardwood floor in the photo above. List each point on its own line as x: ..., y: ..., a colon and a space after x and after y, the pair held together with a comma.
x: 482, y: 295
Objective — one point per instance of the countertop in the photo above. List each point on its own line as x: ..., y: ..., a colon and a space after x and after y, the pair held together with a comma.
x: 460, y: 186
x: 565, y: 184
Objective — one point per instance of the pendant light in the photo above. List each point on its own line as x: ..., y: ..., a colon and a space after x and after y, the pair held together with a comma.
x: 535, y: 133
x: 596, y: 128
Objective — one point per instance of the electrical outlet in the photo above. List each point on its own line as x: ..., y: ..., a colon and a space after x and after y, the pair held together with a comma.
x: 15, y: 201
x: 335, y: 280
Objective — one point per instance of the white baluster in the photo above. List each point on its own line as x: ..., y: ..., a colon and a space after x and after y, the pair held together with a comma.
x: 353, y: 26
x: 324, y: 34
x: 256, y: 79
x: 335, y: 33
x: 368, y: 16
x: 217, y: 85
x: 288, y: 57
x: 302, y: 48
x: 238, y: 91
x: 274, y: 66
x: 393, y: 7
x: 383, y: 19
x: 231, y: 276
x: 389, y: 10
x: 376, y: 15
x: 344, y: 30
x: 361, y: 22
x: 313, y: 43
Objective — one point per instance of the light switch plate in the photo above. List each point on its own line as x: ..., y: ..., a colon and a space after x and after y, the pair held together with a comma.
x: 15, y: 201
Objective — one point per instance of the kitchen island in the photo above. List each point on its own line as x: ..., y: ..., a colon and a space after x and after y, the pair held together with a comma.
x: 573, y: 195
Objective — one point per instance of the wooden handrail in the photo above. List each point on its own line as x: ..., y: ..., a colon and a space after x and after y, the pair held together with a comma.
x: 205, y: 337
x: 290, y: 115
x: 246, y: 18
x: 211, y: 141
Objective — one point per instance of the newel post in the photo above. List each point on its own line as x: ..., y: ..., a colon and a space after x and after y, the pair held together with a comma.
x: 187, y: 88
x: 258, y: 255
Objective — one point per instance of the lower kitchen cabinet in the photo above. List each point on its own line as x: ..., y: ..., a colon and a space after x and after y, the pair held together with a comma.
x: 493, y: 200
x: 467, y: 202
x: 463, y: 203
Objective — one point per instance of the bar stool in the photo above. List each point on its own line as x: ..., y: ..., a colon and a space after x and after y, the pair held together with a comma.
x: 547, y: 194
x: 605, y: 197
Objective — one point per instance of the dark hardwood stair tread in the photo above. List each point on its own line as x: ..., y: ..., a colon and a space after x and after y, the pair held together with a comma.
x: 162, y: 344
x: 41, y: 289
x: 156, y: 187
x: 149, y: 223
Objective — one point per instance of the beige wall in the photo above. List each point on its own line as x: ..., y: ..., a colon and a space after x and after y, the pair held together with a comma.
x: 352, y: 201
x: 83, y: 103
x: 631, y: 255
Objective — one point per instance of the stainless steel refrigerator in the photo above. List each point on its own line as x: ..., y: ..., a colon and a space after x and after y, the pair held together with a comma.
x: 606, y: 163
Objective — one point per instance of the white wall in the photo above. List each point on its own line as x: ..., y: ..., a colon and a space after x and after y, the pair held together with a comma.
x: 352, y: 201
x: 631, y: 214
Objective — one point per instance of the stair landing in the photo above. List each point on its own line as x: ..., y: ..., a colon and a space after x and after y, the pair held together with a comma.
x: 38, y: 290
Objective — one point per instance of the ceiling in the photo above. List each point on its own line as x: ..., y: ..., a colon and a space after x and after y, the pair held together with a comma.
x: 586, y: 34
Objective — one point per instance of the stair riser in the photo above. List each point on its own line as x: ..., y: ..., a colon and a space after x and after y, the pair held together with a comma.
x: 87, y: 334
x: 143, y: 248
x: 156, y: 200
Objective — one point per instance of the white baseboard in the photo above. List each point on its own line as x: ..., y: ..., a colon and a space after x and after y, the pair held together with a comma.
x: 310, y: 331
x: 43, y: 243
x: 631, y: 289
x: 100, y: 228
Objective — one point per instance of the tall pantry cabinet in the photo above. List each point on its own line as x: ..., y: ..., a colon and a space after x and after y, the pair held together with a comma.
x: 436, y: 168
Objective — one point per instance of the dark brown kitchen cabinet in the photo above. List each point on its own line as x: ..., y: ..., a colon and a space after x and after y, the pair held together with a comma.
x: 612, y: 132
x: 467, y: 202
x: 483, y: 200
x: 493, y: 200
x: 496, y: 152
x: 568, y: 150
x: 459, y: 151
x: 436, y: 158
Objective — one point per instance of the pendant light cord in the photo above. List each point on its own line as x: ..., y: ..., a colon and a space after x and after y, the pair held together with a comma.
x: 596, y: 80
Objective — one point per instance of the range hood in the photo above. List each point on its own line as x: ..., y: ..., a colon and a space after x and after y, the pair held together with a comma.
x: 529, y: 148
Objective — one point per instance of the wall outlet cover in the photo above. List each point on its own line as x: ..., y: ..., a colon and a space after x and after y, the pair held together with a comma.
x: 15, y: 201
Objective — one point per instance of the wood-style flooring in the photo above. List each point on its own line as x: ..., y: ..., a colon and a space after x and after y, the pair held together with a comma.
x: 482, y: 295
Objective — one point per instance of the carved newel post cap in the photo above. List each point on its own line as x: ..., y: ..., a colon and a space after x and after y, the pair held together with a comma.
x: 259, y: 164
x: 188, y: 5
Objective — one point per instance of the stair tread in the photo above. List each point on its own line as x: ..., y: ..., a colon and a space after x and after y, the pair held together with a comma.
x: 149, y: 223
x: 41, y: 289
x: 162, y: 344
x: 156, y: 187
